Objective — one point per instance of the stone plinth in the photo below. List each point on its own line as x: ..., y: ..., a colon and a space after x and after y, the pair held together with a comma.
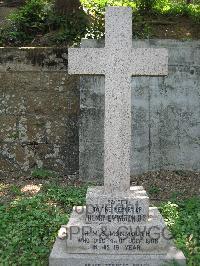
x: 117, y: 243
x: 61, y: 257
x: 130, y: 206
x: 118, y: 238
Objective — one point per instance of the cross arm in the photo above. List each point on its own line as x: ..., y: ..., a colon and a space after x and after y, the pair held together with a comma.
x: 149, y: 62
x: 86, y: 61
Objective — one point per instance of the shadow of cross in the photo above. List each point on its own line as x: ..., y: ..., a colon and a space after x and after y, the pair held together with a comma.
x: 118, y: 61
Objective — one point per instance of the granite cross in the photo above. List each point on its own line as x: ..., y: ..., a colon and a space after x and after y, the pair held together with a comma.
x: 118, y: 61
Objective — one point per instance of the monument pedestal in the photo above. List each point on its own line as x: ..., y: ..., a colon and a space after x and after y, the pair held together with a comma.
x: 61, y: 257
x: 114, y: 235
x: 117, y: 227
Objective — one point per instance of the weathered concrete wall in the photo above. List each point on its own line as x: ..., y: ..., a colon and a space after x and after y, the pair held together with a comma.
x: 165, y: 114
x: 39, y: 113
x: 39, y: 110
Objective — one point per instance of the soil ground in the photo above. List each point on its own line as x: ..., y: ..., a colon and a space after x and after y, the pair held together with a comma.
x: 173, y: 27
x: 169, y: 185
x: 161, y: 186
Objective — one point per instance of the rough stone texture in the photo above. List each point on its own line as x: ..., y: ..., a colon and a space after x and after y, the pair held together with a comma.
x: 33, y: 59
x: 117, y: 238
x: 165, y: 114
x: 130, y: 206
x: 4, y: 13
x: 118, y: 61
x: 121, y: 231
x: 61, y: 257
x: 39, y: 111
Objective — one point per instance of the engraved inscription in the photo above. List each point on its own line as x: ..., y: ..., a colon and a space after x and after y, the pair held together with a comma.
x: 125, y: 239
x: 116, y: 211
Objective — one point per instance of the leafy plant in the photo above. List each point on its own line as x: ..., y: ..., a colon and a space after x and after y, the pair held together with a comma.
x: 96, y: 12
x: 178, y: 8
x: 29, y: 226
x: 146, y: 5
x: 42, y: 173
x: 183, y: 218
x: 194, y: 12
x: 38, y: 17
x: 175, y: 195
x: 15, y: 190
x: 42, y: 21
x: 29, y: 20
x: 154, y: 190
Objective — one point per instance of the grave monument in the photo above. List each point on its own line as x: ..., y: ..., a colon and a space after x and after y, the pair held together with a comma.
x: 116, y: 227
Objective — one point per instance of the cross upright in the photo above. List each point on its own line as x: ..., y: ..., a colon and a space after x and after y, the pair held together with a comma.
x: 118, y: 61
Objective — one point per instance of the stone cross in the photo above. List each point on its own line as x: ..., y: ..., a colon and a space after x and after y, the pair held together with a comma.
x: 118, y: 61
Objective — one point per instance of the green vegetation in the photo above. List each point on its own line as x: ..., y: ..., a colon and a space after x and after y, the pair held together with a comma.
x: 178, y: 8
x: 37, y: 18
x: 141, y: 9
x: 41, y: 22
x: 183, y: 219
x: 42, y: 173
x: 29, y: 223
x: 154, y: 190
x: 167, y: 7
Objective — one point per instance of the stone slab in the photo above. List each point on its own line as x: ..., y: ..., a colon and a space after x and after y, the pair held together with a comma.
x: 118, y: 61
x: 157, y: 105
x: 117, y: 238
x: 103, y: 207
x: 60, y: 257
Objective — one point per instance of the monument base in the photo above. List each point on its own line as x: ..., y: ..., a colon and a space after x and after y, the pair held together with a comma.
x: 60, y: 257
x: 123, y: 238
